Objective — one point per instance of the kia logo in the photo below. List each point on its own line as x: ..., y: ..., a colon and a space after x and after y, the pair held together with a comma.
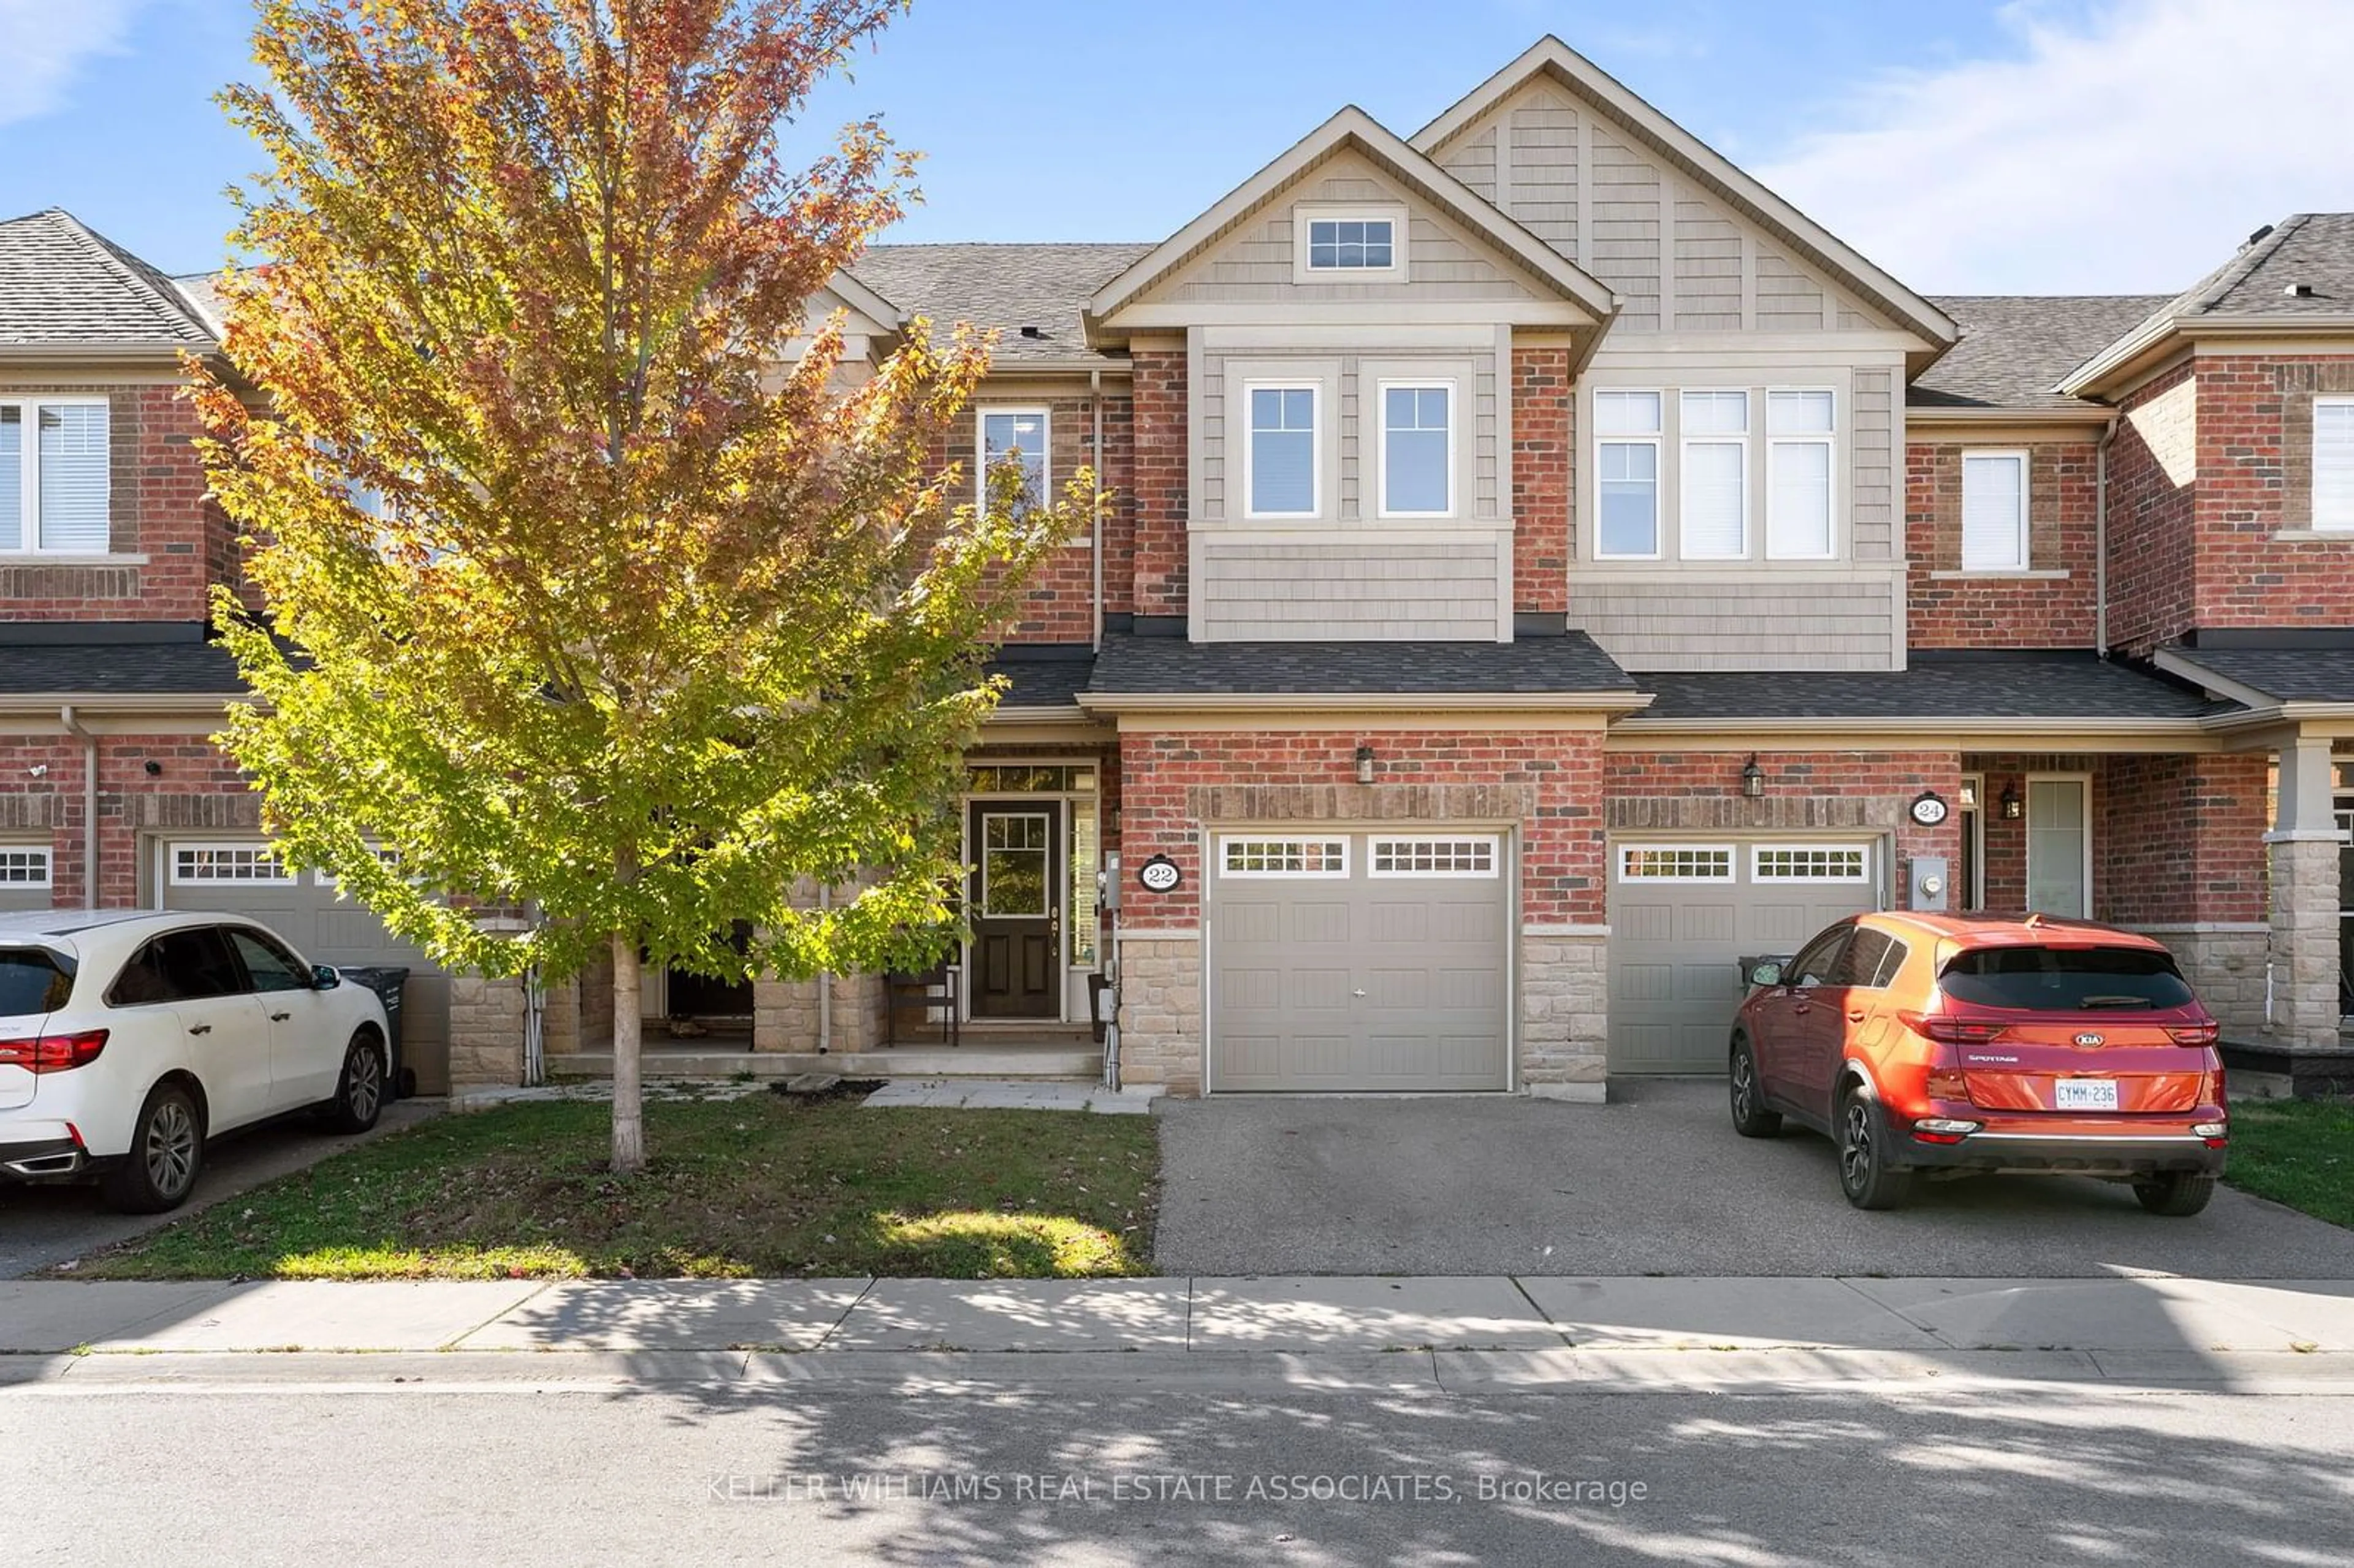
x: 2088, y: 1040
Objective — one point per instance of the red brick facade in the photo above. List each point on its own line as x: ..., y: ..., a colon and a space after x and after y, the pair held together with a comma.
x: 1059, y: 605
x: 1948, y: 611
x: 2184, y: 839
x: 1164, y: 507
x: 1544, y: 448
x: 1562, y: 836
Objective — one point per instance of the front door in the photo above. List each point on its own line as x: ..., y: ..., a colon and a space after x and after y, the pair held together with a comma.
x: 1017, y: 909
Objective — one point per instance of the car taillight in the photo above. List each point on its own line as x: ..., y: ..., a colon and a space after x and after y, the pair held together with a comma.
x: 1951, y: 1030
x: 2194, y: 1034
x: 53, y: 1053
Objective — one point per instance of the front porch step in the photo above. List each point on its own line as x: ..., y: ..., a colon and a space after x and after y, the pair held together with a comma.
x: 995, y: 1060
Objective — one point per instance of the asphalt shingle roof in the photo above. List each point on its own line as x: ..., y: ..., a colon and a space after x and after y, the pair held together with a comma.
x: 2290, y: 674
x: 1053, y: 681
x: 2037, y: 685
x: 2016, y: 347
x: 62, y: 286
x: 1136, y: 665
x: 117, y: 668
x: 1008, y: 287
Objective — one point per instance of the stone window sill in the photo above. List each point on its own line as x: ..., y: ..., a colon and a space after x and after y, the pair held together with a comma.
x: 2048, y: 575
x: 66, y: 558
x: 2312, y: 535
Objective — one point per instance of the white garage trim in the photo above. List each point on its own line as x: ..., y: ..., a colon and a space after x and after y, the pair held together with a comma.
x: 1474, y: 855
x: 1810, y: 862
x: 225, y: 864
x: 25, y: 867
x: 1675, y: 863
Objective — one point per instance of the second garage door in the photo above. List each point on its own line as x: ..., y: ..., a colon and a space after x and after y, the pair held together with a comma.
x: 1683, y: 915
x: 1360, y: 961
x: 242, y: 877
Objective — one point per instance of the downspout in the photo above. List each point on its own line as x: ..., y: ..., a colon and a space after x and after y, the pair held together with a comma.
x: 1095, y: 402
x: 824, y: 989
x: 2100, y: 538
x: 74, y: 726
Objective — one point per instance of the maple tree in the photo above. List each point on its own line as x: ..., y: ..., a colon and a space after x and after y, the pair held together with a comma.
x: 584, y: 580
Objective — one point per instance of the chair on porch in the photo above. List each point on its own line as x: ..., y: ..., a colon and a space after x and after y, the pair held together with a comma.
x: 920, y: 993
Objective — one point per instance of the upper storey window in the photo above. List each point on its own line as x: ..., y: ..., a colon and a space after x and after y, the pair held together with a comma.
x: 1715, y: 518
x: 1994, y: 512
x: 1627, y: 424
x: 1282, y: 454
x: 54, y: 488
x: 1349, y: 244
x: 2333, y: 463
x: 1417, y: 451
x: 1798, y: 475
x: 1015, y: 433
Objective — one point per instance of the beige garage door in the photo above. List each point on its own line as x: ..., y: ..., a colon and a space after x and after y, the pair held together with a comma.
x: 1683, y: 914
x: 1360, y: 961
x: 26, y: 876
x: 240, y: 877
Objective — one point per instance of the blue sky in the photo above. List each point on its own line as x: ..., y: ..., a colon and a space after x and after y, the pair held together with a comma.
x: 1969, y: 145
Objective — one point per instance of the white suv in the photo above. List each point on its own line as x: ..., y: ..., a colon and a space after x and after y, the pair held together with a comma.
x: 127, y: 1038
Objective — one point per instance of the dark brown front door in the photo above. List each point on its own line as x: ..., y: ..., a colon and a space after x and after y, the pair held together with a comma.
x: 1017, y: 909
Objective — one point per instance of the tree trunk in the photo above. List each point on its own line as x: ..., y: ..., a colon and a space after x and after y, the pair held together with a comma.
x: 628, y: 1031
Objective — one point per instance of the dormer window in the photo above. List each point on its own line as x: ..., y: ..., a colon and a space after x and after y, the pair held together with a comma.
x: 1349, y: 244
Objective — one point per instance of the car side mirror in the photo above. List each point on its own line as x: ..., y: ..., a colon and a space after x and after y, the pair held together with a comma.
x: 1766, y: 974
x: 323, y: 977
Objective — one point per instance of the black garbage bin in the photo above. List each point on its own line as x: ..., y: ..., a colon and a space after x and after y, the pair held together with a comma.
x: 388, y: 982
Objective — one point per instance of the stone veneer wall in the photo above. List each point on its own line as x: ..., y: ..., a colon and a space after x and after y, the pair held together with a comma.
x: 785, y: 1013
x: 485, y: 1031
x: 1161, y: 1012
x: 2225, y: 964
x: 1564, y: 1013
x: 2304, y: 941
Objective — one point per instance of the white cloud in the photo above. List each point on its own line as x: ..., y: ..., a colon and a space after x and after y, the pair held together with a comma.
x: 44, y: 43
x: 2126, y: 149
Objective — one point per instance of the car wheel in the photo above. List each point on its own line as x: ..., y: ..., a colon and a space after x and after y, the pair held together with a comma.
x: 1865, y: 1175
x: 1750, y: 1116
x: 360, y: 1089
x: 167, y: 1150
x: 2175, y: 1193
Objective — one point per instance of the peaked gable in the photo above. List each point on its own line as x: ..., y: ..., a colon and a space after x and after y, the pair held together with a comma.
x: 1602, y: 175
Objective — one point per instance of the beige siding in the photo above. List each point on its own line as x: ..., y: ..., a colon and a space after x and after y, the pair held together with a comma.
x: 1708, y: 269
x: 1365, y: 588
x: 1624, y: 249
x: 1788, y: 298
x: 1473, y: 161
x: 1871, y: 495
x: 1710, y: 620
x: 1544, y: 185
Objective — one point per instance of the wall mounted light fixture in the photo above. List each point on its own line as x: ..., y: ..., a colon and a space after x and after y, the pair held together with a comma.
x: 2013, y: 808
x: 155, y: 769
x: 1364, y: 765
x: 1753, y: 779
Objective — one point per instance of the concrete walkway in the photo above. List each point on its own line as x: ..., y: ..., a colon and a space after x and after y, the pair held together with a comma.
x: 1437, y: 1333
x: 1011, y: 1094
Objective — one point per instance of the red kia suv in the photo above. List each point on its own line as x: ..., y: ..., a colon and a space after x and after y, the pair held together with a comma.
x: 1953, y: 1044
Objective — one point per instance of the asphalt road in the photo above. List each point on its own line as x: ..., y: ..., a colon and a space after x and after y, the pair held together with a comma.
x: 1654, y: 1182
x: 878, y: 1475
x: 40, y: 1226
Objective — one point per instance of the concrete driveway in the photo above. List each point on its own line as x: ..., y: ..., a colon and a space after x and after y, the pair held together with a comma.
x: 1654, y: 1182
x: 44, y: 1225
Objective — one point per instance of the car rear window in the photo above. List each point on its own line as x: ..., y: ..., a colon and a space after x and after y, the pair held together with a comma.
x: 2065, y: 980
x: 32, y: 979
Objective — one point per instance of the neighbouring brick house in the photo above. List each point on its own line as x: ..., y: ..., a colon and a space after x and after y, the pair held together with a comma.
x: 1545, y: 566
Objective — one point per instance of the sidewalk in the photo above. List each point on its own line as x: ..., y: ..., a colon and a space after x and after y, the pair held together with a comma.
x: 1436, y: 1335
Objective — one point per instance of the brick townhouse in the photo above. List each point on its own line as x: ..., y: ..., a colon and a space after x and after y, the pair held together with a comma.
x: 1545, y: 566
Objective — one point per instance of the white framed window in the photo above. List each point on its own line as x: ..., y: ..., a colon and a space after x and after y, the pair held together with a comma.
x: 385, y: 856
x: 1417, y: 477
x: 1801, y: 425
x: 1994, y: 512
x: 1342, y: 244
x: 1969, y: 887
x: 1282, y: 460
x: 1675, y: 863
x: 1712, y: 519
x: 1810, y: 862
x: 2333, y: 463
x: 1244, y: 855
x: 227, y: 866
x: 1011, y: 432
x: 1627, y: 465
x: 26, y: 866
x: 56, y: 487
x: 1453, y: 856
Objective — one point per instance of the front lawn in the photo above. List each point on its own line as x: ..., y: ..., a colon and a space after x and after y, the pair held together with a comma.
x: 760, y: 1185
x: 2298, y: 1152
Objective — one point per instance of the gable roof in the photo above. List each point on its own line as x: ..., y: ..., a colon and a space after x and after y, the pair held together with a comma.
x: 2253, y: 291
x: 65, y: 290
x: 1353, y: 128
x: 1698, y: 161
x: 1009, y: 287
x: 2014, y: 349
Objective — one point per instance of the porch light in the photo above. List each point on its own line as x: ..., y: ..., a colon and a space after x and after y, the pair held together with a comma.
x: 2013, y: 808
x: 1364, y: 765
x: 1753, y: 779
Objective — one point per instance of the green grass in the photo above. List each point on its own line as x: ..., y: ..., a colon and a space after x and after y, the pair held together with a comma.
x: 2298, y: 1152
x: 760, y: 1186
